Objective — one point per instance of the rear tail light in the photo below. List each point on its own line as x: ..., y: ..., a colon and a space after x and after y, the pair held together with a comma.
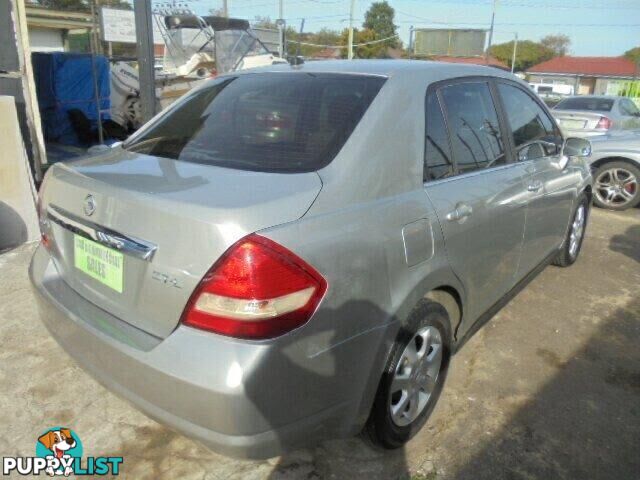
x: 257, y: 289
x: 604, y: 123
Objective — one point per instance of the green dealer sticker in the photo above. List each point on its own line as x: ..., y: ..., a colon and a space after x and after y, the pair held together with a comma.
x: 102, y: 263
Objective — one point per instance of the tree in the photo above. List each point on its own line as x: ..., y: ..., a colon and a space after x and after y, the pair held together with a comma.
x: 379, y: 20
x: 559, y: 44
x: 373, y: 50
x: 528, y: 54
x: 633, y: 55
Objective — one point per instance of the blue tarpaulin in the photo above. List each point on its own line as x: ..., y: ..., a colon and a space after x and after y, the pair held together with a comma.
x: 64, y: 81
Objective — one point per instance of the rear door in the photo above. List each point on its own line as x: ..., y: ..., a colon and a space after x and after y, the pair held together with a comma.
x: 550, y: 190
x: 475, y: 188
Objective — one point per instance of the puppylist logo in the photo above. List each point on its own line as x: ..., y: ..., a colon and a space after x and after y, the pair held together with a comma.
x: 59, y: 452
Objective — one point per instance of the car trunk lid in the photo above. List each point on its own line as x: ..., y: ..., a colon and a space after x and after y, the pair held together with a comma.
x: 577, y: 120
x: 156, y: 226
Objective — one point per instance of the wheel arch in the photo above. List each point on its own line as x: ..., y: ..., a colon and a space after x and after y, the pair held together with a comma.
x: 451, y: 300
x: 445, y: 292
x: 613, y: 158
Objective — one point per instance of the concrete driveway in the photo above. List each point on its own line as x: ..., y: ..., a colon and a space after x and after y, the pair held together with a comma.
x: 550, y: 388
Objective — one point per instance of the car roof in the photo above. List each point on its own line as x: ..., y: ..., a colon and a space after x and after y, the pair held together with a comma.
x: 387, y: 68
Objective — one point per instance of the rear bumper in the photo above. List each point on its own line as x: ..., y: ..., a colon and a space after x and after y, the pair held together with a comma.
x: 582, y: 133
x: 242, y: 399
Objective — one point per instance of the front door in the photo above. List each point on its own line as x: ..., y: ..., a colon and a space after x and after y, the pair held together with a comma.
x: 477, y: 192
x: 550, y: 189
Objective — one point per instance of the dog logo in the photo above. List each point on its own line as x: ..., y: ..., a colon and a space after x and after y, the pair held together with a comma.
x: 59, y: 452
x: 61, y: 444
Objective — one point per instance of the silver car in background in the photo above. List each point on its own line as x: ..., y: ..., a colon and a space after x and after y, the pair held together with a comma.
x: 590, y: 115
x: 615, y: 162
x: 292, y: 254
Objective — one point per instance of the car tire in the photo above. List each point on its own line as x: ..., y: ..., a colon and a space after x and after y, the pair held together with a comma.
x: 614, y: 174
x: 574, y: 238
x: 385, y: 429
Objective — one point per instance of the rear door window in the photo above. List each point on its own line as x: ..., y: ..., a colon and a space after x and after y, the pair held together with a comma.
x: 473, y: 126
x: 273, y: 122
x: 534, y: 134
x: 437, y: 156
x: 589, y: 103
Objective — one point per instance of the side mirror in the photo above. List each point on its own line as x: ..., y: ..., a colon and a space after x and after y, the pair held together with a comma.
x: 576, y: 147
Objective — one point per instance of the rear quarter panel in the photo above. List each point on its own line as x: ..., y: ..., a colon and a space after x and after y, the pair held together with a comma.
x: 352, y: 235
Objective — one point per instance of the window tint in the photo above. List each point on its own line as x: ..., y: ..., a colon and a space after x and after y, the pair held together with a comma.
x: 282, y: 122
x: 586, y: 103
x: 473, y: 125
x: 437, y: 155
x: 534, y: 134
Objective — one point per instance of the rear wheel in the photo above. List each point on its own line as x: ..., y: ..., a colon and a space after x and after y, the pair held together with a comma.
x: 573, y: 242
x: 616, y: 186
x: 413, y: 380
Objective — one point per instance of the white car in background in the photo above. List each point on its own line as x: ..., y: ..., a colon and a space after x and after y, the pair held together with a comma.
x: 552, y: 93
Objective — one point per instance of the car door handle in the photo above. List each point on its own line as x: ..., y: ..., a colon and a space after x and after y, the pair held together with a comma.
x: 461, y: 212
x: 535, y: 186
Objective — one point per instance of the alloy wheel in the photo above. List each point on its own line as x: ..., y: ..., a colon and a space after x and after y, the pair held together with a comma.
x: 615, y: 187
x: 415, y: 376
x: 577, y: 231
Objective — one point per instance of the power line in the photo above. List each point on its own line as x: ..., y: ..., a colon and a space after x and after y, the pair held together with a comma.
x: 272, y: 4
x: 533, y: 4
x: 372, y: 42
x: 435, y: 22
x: 295, y: 2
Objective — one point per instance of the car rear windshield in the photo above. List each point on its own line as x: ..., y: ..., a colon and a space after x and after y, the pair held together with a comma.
x: 270, y: 122
x: 593, y: 104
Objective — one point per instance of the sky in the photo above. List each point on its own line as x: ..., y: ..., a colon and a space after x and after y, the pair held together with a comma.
x: 596, y: 27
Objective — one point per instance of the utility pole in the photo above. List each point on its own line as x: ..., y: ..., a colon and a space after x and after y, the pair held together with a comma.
x: 515, y: 49
x: 350, y: 51
x: 493, y: 19
x: 144, y: 38
x: 225, y: 9
x: 280, y: 24
x: 411, y: 33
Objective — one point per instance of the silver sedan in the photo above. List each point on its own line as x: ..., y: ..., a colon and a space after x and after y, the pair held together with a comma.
x: 590, y: 115
x: 292, y: 254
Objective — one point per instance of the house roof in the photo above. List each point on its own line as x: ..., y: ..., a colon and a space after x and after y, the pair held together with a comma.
x: 491, y: 61
x: 591, y: 66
